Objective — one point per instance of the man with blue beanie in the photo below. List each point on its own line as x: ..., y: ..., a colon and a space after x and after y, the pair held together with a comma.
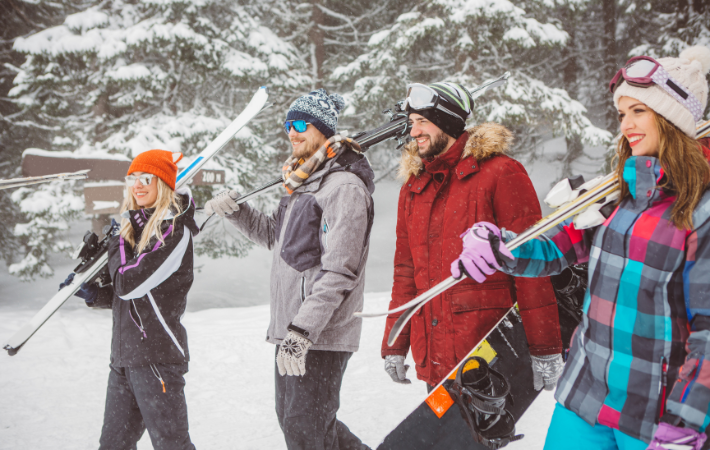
x: 320, y: 236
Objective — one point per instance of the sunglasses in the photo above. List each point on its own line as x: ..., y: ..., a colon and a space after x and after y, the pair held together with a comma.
x: 145, y: 179
x: 298, y: 125
x: 644, y: 71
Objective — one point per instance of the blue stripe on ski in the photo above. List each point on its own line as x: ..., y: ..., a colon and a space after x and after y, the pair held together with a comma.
x: 189, y: 168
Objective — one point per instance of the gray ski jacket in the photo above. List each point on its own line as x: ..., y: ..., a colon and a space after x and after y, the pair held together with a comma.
x: 320, y: 236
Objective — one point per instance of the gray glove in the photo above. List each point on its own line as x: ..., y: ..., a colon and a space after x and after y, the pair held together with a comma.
x: 291, y: 358
x: 546, y: 370
x: 223, y: 203
x: 394, y: 366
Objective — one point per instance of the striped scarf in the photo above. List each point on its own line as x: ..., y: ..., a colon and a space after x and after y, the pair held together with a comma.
x: 296, y: 171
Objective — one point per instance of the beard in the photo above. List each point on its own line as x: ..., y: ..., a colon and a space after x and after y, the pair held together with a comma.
x: 436, y: 146
x: 308, y: 149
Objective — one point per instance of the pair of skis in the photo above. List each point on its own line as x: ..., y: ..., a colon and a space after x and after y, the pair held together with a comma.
x: 597, y: 192
x: 87, y: 274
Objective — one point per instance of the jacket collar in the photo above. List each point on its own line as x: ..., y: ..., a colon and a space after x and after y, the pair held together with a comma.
x: 479, y: 143
x: 642, y: 174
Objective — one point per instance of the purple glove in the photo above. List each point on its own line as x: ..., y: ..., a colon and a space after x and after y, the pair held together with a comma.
x: 668, y: 437
x: 481, y: 244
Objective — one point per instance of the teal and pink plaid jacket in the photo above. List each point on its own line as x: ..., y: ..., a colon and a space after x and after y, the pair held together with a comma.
x: 648, y: 296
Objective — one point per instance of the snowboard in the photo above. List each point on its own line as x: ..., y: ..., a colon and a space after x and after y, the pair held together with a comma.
x: 437, y: 424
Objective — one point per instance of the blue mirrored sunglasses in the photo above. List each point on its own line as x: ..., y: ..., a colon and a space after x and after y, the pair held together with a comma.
x: 298, y: 125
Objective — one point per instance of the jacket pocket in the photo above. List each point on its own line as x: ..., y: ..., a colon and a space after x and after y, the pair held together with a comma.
x: 326, y: 230
x: 302, y: 289
x: 475, y: 312
x: 418, y: 339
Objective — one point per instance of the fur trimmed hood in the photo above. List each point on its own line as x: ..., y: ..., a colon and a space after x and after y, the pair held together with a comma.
x: 484, y: 141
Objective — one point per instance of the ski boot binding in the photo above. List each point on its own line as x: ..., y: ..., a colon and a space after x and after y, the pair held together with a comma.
x: 481, y: 394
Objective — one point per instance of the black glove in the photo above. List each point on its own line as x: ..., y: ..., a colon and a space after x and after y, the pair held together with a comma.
x: 88, y: 291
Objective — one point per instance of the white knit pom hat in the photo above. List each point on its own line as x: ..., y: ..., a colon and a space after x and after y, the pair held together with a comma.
x: 689, y: 70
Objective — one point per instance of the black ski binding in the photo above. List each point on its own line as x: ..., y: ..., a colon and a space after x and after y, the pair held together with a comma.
x: 91, y: 247
x: 481, y: 394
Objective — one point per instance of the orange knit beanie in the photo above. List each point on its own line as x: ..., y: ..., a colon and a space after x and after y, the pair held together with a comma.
x: 160, y: 163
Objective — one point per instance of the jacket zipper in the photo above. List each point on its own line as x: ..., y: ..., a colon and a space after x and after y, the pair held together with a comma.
x: 303, y: 289
x: 662, y: 386
x: 140, y: 326
x: 326, y: 229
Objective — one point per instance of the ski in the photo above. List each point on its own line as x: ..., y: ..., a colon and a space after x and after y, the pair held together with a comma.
x: 594, y: 192
x: 89, y: 272
x: 29, y: 181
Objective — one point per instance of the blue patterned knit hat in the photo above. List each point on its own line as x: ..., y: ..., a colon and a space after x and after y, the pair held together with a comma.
x: 319, y: 109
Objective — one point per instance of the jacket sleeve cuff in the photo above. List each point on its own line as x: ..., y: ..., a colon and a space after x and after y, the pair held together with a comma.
x: 298, y: 330
x: 104, y: 299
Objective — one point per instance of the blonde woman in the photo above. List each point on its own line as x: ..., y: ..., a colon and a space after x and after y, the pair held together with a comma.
x: 637, y: 372
x: 150, y: 263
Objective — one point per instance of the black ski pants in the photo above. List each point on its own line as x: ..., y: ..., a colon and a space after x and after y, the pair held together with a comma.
x: 135, y: 401
x: 306, y: 405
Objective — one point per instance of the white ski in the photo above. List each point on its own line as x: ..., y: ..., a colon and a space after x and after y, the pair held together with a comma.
x: 28, y: 181
x: 257, y: 103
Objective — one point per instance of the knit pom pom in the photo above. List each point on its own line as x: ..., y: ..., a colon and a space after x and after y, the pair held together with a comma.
x: 338, y: 100
x: 698, y: 53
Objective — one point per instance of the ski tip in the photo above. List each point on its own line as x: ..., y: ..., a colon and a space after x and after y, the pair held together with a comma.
x: 12, y: 351
x: 265, y: 88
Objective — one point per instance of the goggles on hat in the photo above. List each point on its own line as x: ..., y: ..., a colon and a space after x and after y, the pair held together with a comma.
x: 145, y: 179
x: 644, y: 71
x: 299, y: 125
x: 421, y: 97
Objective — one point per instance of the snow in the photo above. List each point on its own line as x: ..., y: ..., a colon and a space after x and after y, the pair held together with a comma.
x: 91, y: 18
x: 57, y: 383
x: 130, y: 72
x: 520, y: 35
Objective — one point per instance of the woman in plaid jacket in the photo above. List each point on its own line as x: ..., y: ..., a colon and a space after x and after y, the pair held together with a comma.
x: 636, y: 372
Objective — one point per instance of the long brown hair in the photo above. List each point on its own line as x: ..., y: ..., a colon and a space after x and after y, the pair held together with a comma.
x: 686, y: 169
x: 166, y: 199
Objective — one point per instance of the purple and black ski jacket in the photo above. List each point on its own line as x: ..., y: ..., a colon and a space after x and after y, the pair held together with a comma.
x: 149, y: 292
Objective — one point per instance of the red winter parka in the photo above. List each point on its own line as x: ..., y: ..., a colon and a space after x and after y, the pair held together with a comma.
x: 472, y: 182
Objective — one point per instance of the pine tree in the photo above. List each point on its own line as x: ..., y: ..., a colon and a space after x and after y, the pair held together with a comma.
x: 124, y: 77
x: 469, y: 42
x: 17, y: 19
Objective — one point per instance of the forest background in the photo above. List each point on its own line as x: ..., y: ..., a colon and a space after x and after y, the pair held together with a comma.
x: 119, y: 77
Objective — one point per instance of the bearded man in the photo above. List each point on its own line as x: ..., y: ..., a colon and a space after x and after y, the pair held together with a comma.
x: 455, y: 177
x: 320, y: 236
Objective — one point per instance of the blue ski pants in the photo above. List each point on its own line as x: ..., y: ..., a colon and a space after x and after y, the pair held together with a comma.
x: 568, y: 430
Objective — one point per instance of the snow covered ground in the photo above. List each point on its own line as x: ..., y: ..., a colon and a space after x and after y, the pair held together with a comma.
x: 53, y: 390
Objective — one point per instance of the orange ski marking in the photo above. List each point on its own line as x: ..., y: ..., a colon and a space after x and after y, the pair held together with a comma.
x: 439, y: 401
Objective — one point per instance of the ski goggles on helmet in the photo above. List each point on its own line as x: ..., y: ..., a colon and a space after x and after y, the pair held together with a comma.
x: 299, y: 125
x: 421, y: 97
x: 145, y: 179
x: 644, y: 71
